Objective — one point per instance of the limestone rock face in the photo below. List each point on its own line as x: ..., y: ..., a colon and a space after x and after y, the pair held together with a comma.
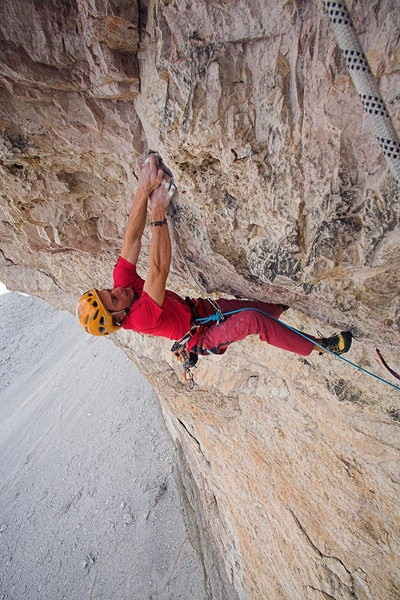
x: 291, y: 464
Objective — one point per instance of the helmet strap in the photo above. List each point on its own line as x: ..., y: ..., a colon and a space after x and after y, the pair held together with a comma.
x: 120, y: 319
x: 124, y: 311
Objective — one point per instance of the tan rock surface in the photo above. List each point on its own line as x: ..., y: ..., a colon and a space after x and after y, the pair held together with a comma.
x: 291, y: 464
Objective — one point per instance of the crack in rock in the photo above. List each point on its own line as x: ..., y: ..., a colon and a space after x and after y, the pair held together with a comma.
x: 333, y: 564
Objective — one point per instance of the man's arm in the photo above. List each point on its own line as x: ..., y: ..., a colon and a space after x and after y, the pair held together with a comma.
x: 160, y: 248
x: 150, y: 178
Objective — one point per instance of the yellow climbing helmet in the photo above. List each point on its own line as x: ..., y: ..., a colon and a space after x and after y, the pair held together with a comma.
x: 93, y: 315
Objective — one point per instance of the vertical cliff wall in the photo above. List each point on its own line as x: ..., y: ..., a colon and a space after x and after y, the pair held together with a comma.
x: 291, y: 464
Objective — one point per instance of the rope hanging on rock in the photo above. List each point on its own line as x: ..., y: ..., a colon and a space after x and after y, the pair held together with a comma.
x: 383, y: 361
x: 365, y: 83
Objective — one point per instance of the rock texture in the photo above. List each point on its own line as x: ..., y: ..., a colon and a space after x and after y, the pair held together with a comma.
x: 292, y: 464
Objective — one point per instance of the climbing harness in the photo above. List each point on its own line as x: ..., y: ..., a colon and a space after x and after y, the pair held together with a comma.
x: 365, y: 83
x: 179, y: 348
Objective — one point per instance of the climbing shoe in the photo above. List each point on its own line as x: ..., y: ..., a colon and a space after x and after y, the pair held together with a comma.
x: 338, y: 343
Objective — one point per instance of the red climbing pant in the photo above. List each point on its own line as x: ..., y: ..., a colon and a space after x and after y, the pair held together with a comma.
x: 215, y: 338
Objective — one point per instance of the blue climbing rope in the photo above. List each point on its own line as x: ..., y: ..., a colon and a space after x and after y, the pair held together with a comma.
x: 219, y: 316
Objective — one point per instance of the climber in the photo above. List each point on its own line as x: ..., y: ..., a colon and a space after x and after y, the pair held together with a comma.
x: 146, y: 306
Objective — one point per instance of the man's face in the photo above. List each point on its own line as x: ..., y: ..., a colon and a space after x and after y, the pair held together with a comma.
x: 117, y: 299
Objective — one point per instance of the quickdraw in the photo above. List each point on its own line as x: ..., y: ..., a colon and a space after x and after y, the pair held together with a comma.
x: 188, y: 360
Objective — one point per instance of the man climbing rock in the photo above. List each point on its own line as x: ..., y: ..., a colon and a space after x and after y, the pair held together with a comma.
x: 146, y: 306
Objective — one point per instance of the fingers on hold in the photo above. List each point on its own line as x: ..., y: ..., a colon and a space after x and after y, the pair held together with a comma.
x: 151, y: 159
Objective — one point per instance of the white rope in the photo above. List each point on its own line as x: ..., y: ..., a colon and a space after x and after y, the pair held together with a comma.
x: 365, y: 83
